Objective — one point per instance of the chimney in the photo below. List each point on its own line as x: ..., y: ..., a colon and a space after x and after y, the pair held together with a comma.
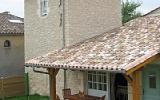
x: 6, y: 12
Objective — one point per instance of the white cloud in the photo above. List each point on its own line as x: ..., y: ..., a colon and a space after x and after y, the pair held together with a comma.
x: 15, y: 7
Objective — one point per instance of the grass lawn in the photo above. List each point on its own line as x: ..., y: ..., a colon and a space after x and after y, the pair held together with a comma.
x: 31, y: 97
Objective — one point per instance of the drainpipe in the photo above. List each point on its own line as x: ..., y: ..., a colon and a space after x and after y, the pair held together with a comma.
x: 63, y: 23
x: 64, y: 39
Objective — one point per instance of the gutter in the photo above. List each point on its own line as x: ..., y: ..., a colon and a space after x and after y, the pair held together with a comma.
x: 37, y: 71
x: 79, y: 69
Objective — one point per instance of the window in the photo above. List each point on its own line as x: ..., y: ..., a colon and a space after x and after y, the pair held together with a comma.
x: 60, y: 3
x: 44, y: 7
x: 152, y: 81
x: 97, y: 80
x: 7, y: 43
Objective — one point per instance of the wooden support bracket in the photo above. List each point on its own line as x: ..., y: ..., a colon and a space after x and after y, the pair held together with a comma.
x: 128, y: 78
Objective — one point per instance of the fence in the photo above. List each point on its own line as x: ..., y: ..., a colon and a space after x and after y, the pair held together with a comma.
x: 12, y: 86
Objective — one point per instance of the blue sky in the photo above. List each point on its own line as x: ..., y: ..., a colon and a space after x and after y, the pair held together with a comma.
x: 17, y: 6
x: 148, y: 5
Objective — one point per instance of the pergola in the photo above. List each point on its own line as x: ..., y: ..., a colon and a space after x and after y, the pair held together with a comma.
x: 125, y: 50
x: 134, y: 80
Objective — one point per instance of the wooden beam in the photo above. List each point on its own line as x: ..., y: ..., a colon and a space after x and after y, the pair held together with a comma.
x: 128, y: 78
x: 136, y: 86
x: 154, y: 58
x: 52, y: 76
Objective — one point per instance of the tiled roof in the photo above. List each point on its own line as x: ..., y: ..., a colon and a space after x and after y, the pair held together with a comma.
x: 11, y: 25
x: 118, y: 50
x: 158, y: 8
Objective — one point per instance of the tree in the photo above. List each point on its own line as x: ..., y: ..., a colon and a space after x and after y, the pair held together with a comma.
x: 129, y: 11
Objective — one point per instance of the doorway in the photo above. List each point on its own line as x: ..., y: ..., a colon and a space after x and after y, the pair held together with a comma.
x: 120, y: 87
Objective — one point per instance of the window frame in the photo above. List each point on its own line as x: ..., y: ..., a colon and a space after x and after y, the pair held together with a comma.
x: 99, y: 80
x: 7, y: 44
x: 44, y: 7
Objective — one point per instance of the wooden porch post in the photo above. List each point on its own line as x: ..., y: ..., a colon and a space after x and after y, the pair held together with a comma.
x: 136, y: 85
x: 52, y: 77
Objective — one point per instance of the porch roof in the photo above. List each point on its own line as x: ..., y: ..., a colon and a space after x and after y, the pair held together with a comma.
x: 118, y: 50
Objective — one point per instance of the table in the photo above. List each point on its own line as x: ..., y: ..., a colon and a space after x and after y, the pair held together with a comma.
x: 83, y: 97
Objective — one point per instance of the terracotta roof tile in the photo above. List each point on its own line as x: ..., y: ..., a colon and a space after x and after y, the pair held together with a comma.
x: 117, y: 50
x: 11, y: 25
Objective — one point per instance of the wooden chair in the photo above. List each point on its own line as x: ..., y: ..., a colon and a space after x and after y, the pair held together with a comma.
x: 103, y: 97
x: 81, y: 93
x: 57, y: 97
x: 66, y: 93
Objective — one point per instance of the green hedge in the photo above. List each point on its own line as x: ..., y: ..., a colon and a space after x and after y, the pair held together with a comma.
x: 26, y: 77
x: 30, y: 97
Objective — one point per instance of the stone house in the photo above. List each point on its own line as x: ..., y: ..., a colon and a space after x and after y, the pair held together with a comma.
x: 11, y: 45
x: 11, y: 55
x: 122, y: 64
x: 55, y: 24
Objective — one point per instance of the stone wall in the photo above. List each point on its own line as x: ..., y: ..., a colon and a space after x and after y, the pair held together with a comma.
x: 75, y: 81
x: 42, y: 33
x: 85, y: 19
x: 12, y: 58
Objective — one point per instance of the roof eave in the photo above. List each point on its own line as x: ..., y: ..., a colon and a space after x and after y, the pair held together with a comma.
x: 75, y: 68
x: 11, y: 34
